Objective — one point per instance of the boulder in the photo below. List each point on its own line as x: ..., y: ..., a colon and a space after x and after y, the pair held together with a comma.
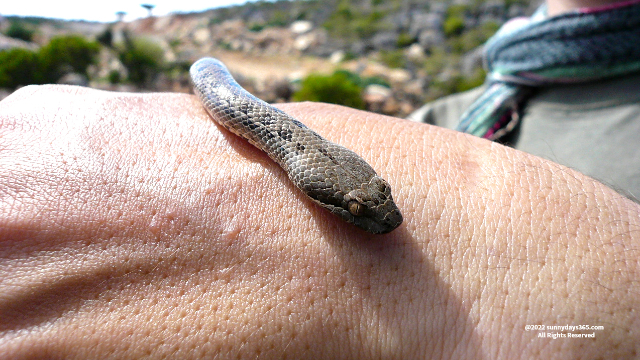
x: 385, y: 40
x: 422, y: 22
x: 431, y: 38
x: 415, y: 52
x: 337, y: 56
x: 74, y: 79
x: 471, y: 61
x: 9, y: 42
x: 301, y: 27
x: 202, y: 36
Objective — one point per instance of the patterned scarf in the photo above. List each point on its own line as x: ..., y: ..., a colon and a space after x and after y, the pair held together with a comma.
x: 584, y: 45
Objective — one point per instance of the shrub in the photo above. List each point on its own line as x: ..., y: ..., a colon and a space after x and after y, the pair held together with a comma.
x: 454, y: 22
x: 61, y: 56
x: 114, y: 77
x: 17, y: 30
x: 65, y: 54
x: 473, y: 38
x: 336, y: 89
x: 474, y: 81
x: 350, y: 22
x: 279, y: 19
x: 338, y: 24
x: 453, y: 26
x: 404, y: 40
x: 143, y: 60
x: 256, y: 27
x: 438, y: 59
x: 362, y: 82
x: 367, y: 25
x: 18, y: 67
x: 393, y: 58
x: 349, y: 55
x: 106, y: 37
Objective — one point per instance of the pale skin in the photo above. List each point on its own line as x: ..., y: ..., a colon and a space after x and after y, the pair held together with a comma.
x: 133, y: 226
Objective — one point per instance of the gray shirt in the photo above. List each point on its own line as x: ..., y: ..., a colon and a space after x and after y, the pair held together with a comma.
x: 591, y: 127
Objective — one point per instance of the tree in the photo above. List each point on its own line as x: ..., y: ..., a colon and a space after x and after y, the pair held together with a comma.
x: 149, y: 7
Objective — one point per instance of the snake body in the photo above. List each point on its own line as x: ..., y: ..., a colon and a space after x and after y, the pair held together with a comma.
x: 331, y: 175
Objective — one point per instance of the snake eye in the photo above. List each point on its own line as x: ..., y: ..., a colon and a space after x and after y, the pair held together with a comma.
x: 355, y: 208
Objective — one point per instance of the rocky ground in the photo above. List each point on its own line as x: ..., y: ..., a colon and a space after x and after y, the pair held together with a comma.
x: 270, y: 60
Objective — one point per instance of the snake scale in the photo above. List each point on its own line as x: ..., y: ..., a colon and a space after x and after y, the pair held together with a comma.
x: 331, y: 175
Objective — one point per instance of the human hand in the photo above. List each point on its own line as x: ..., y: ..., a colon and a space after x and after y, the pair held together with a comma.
x: 131, y: 225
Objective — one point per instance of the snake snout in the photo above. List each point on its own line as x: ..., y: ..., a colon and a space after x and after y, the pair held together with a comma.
x: 372, y: 208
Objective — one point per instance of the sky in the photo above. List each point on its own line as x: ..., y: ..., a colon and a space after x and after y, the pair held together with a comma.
x: 105, y: 10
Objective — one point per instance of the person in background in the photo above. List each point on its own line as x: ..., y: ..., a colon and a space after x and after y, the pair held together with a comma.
x: 563, y: 85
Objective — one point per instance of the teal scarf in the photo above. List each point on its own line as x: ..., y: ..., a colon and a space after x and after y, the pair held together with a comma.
x: 583, y: 45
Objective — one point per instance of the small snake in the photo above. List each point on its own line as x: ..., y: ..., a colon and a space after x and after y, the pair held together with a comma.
x: 329, y: 174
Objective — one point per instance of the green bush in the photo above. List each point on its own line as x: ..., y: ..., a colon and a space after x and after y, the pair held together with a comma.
x: 175, y: 43
x: 279, y: 19
x: 453, y: 26
x: 458, y: 10
x: 256, y: 27
x: 18, y: 30
x: 336, y: 89
x: 350, y: 22
x: 143, y: 60
x: 19, y: 67
x: 114, y: 77
x: 362, y: 82
x: 473, y: 38
x: 65, y: 54
x: 474, y: 81
x: 404, y: 40
x: 454, y: 21
x: 508, y: 3
x: 368, y: 24
x: 348, y: 56
x: 393, y: 58
x: 438, y: 59
x: 106, y: 37
x: 338, y: 23
x: 59, y: 57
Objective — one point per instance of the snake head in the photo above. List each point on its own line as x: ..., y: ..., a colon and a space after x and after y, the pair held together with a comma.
x: 371, y: 207
x: 343, y: 183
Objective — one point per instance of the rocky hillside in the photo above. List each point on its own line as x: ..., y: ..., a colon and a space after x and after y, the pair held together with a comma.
x: 398, y: 53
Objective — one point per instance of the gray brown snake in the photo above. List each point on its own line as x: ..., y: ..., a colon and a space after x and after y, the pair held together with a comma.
x: 329, y: 174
